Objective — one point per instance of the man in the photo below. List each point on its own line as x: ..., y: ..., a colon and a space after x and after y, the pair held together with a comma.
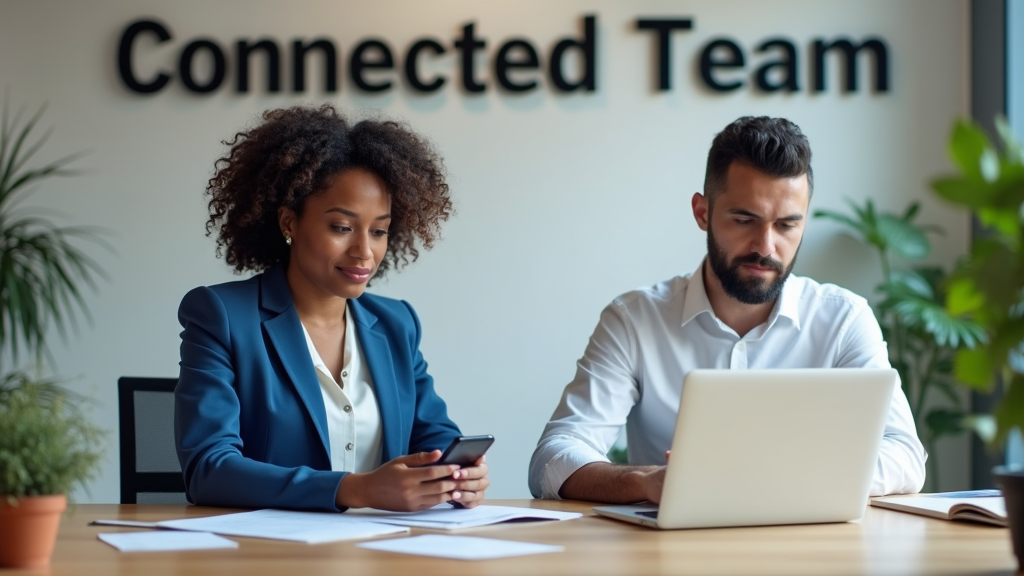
x: 741, y: 309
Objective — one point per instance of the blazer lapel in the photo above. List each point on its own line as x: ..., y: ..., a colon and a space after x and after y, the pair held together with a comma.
x: 285, y: 333
x: 378, y: 357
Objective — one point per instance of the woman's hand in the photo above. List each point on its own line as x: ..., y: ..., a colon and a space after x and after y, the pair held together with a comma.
x: 405, y: 484
x: 470, y: 483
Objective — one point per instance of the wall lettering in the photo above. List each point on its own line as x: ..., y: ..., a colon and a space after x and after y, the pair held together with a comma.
x: 517, y: 64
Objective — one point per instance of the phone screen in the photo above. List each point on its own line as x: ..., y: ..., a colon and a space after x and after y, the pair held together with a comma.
x: 465, y: 450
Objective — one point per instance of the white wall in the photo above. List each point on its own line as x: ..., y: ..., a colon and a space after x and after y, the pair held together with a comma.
x: 564, y: 201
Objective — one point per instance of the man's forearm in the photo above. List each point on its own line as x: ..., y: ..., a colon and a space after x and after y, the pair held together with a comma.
x: 616, y: 484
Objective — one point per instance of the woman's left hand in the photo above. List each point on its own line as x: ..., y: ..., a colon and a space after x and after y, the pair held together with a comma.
x: 470, y: 483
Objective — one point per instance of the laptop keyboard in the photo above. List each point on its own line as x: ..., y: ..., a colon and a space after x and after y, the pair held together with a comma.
x: 647, y: 513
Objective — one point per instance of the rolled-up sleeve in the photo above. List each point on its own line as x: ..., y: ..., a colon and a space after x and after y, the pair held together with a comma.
x: 901, y: 456
x: 593, y: 407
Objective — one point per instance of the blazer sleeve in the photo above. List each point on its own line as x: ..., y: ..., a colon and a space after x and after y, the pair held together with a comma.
x: 431, y: 427
x: 206, y: 424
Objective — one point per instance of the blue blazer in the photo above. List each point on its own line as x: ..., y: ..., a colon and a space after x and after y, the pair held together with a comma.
x: 249, y: 419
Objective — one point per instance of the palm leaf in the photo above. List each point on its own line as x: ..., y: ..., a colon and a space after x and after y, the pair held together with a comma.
x: 902, y: 237
x: 15, y: 159
x: 915, y: 296
x: 43, y: 268
x: 843, y: 219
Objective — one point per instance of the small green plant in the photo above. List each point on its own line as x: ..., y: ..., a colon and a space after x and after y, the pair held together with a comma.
x: 47, y: 444
x: 923, y: 336
x: 989, y: 284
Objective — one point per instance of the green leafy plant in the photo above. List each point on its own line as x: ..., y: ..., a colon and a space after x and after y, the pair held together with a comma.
x: 42, y: 270
x: 47, y: 444
x: 923, y: 336
x: 988, y: 286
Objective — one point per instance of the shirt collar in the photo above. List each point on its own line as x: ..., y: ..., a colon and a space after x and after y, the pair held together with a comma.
x: 696, y: 301
x: 349, y: 352
x: 788, y: 305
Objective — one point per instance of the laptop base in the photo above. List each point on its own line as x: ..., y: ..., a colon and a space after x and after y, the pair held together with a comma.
x: 632, y: 514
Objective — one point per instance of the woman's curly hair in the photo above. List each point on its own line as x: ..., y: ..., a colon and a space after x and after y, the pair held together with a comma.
x: 294, y: 153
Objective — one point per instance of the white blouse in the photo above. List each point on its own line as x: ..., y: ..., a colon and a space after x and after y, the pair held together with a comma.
x: 353, y: 417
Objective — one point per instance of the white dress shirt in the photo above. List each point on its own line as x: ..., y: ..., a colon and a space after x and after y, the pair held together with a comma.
x: 647, y: 341
x: 353, y: 417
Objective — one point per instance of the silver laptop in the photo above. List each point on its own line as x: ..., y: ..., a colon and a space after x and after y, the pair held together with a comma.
x: 761, y: 447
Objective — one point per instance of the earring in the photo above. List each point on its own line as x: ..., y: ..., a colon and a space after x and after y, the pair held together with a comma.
x: 287, y: 239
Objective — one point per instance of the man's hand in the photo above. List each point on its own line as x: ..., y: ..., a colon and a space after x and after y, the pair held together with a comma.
x: 407, y: 484
x: 653, y: 481
x: 615, y: 483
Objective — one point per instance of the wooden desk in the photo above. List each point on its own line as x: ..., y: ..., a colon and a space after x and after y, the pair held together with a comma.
x: 883, y: 542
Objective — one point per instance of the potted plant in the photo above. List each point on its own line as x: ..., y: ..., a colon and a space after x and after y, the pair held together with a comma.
x: 922, y: 335
x: 47, y: 444
x: 988, y: 287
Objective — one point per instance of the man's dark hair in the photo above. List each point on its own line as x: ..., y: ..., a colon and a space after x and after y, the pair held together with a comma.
x: 773, y: 146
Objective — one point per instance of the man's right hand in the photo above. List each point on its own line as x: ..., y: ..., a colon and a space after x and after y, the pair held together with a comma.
x: 405, y: 484
x: 614, y: 483
x: 653, y: 482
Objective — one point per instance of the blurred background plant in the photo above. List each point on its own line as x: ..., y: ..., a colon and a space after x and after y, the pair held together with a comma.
x: 47, y: 443
x: 988, y: 285
x: 923, y: 336
x: 42, y: 269
x: 618, y: 455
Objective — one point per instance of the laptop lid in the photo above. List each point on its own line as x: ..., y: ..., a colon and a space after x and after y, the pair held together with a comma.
x: 757, y: 447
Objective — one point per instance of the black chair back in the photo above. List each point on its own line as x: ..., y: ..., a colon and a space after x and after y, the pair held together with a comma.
x: 150, y: 472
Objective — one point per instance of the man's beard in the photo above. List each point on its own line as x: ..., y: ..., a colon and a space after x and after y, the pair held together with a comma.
x: 755, y: 290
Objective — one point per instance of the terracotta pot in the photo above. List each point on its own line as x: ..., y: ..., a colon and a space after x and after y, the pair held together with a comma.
x: 1011, y: 482
x: 30, y: 530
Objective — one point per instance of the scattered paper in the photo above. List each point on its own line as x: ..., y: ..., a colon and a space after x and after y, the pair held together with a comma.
x: 165, y: 540
x: 459, y: 547
x: 308, y: 527
x: 447, y: 518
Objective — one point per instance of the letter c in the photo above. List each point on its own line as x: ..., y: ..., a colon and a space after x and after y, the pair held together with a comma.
x: 411, y: 74
x: 124, y: 56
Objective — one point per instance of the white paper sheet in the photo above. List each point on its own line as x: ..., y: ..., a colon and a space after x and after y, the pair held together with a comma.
x: 459, y: 547
x: 445, y: 517
x: 165, y: 540
x: 308, y: 527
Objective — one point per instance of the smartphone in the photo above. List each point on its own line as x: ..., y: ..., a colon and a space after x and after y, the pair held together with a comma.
x: 465, y: 450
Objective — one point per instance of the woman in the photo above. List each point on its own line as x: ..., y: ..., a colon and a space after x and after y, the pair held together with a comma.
x: 297, y: 388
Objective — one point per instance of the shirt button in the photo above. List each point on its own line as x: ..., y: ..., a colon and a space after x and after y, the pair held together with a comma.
x: 741, y: 346
x: 344, y: 373
x: 347, y: 408
x: 349, y: 446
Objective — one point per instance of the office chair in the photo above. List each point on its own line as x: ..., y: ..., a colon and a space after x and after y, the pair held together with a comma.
x: 150, y: 473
